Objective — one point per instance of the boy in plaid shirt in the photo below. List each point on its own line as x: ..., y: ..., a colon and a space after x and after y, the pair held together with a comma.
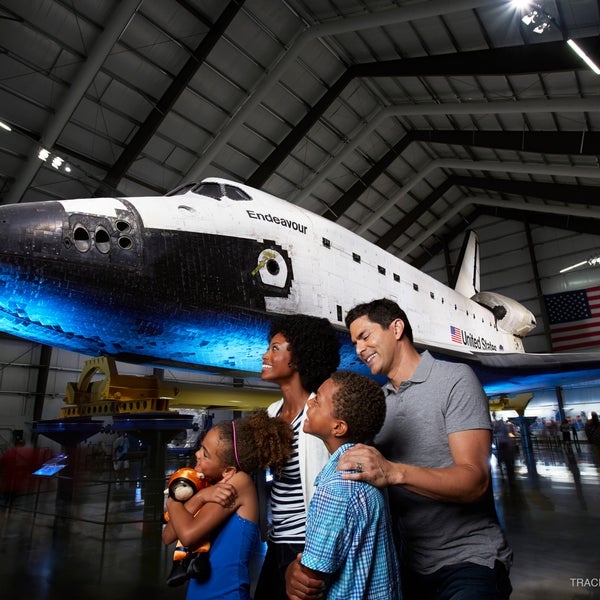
x: 349, y: 543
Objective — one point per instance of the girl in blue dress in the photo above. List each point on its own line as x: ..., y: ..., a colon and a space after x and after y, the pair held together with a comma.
x: 227, y: 512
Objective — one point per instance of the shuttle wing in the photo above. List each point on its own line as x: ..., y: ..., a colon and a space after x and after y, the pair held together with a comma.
x: 516, y: 373
x: 530, y: 360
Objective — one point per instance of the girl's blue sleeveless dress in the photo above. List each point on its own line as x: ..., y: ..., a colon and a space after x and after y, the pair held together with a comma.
x: 231, y: 549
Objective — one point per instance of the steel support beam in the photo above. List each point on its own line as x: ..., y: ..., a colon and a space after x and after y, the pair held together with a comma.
x: 570, y: 223
x: 514, y: 60
x: 122, y: 15
x: 479, y: 165
x: 564, y: 105
x: 514, y: 207
x: 411, y: 12
x: 168, y: 99
x: 576, y: 194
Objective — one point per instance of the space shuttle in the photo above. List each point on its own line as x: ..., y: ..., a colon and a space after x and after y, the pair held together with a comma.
x: 191, y: 280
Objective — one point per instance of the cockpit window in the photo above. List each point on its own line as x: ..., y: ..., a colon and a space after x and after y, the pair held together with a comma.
x: 212, y: 189
x: 236, y: 193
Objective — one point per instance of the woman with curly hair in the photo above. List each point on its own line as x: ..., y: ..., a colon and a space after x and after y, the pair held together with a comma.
x: 303, y: 352
x: 229, y: 452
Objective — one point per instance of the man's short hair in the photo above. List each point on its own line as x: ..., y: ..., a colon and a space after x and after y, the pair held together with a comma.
x: 360, y: 402
x: 382, y: 312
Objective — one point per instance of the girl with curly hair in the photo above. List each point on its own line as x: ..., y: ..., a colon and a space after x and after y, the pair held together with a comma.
x: 303, y: 352
x: 230, y: 451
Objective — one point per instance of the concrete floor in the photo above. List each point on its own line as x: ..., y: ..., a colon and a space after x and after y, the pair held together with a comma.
x: 88, y: 538
x: 552, y: 522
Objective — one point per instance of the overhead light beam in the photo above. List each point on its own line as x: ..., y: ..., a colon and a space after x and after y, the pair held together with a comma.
x: 579, y: 264
x: 588, y: 61
x: 594, y: 261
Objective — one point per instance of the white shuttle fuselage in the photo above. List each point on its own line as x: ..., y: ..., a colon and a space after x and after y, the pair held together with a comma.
x: 335, y: 269
x: 144, y: 278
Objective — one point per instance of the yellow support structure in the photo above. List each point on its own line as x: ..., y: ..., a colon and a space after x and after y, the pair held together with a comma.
x: 517, y: 403
x: 115, y: 394
x: 120, y: 394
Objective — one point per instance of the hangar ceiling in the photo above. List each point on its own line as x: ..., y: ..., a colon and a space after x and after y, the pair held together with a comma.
x: 405, y: 121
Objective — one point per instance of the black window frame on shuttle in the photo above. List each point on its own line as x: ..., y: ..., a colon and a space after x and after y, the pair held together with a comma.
x: 213, y: 189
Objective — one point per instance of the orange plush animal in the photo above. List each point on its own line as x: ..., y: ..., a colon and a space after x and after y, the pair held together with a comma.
x: 182, y: 485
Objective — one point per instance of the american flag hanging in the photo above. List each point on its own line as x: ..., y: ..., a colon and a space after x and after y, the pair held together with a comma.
x: 574, y: 319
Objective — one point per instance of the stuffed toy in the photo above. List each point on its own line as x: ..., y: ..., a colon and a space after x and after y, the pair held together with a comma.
x: 182, y: 485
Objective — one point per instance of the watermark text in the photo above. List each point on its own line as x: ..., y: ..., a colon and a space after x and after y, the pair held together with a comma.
x: 585, y: 582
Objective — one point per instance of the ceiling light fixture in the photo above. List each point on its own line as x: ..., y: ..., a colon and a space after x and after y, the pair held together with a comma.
x: 5, y: 126
x: 56, y: 161
x: 529, y: 17
x: 588, y: 61
x: 594, y: 261
x: 536, y: 18
x: 539, y: 21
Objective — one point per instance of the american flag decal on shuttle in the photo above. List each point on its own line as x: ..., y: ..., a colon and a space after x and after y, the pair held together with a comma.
x: 455, y: 334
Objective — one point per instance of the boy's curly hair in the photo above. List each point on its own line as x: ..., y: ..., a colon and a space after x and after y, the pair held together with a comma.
x: 360, y: 402
x: 261, y: 442
x: 314, y: 346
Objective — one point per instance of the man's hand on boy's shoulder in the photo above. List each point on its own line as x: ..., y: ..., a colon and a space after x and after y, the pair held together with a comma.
x: 365, y: 463
x: 302, y: 583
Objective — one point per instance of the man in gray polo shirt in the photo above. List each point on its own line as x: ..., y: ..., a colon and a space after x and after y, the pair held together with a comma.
x: 433, y: 456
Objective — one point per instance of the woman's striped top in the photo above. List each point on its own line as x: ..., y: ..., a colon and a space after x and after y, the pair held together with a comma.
x: 287, y: 502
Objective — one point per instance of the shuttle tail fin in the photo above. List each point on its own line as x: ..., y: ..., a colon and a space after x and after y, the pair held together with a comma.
x: 466, y: 276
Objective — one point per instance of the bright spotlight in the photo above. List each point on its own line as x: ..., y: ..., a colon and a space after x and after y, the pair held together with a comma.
x: 57, y: 161
x: 529, y: 18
